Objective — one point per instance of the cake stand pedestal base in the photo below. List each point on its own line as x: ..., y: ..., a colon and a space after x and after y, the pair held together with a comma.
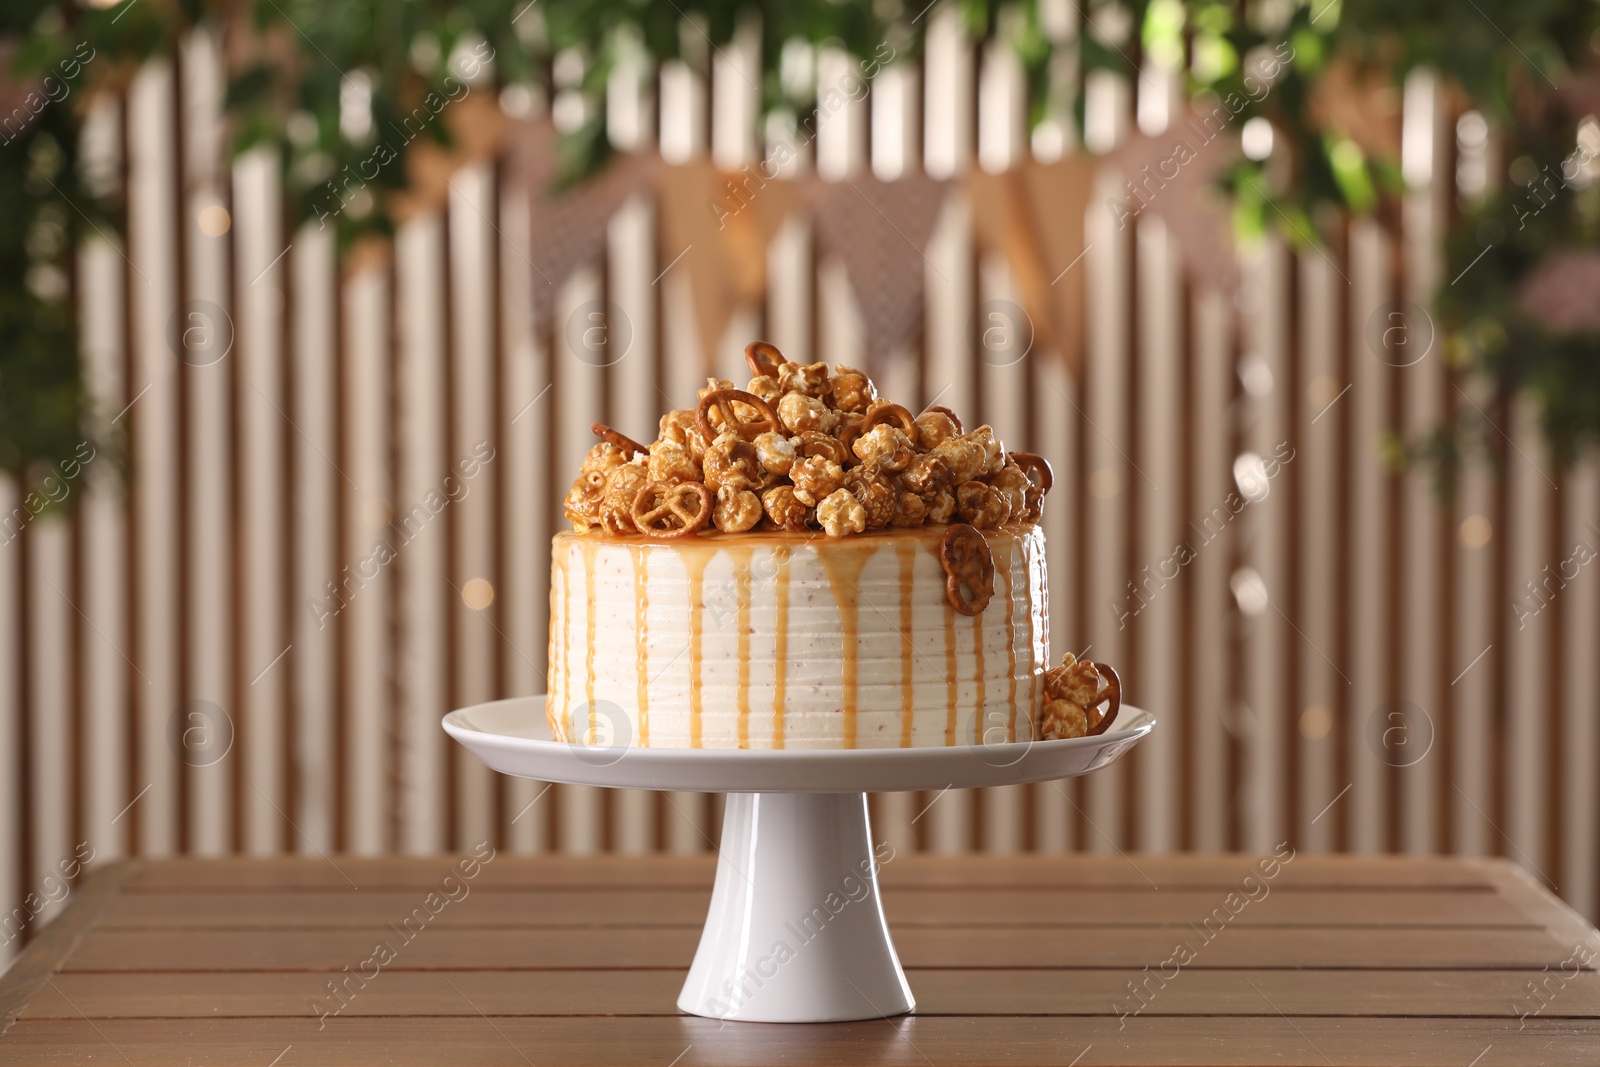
x: 796, y: 931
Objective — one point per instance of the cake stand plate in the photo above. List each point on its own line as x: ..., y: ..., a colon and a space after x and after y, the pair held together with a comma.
x: 796, y: 931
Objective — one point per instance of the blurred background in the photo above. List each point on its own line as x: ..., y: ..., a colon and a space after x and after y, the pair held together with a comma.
x: 306, y: 308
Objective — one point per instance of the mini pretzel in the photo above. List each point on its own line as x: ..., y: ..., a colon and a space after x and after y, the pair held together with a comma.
x: 1037, y: 468
x: 628, y: 445
x: 724, y: 400
x: 658, y: 505
x: 968, y: 567
x: 1112, y: 692
x: 847, y: 442
x: 904, y: 418
x: 941, y: 409
x: 763, y: 357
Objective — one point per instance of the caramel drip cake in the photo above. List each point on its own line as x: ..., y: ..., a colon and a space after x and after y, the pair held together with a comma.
x: 803, y: 564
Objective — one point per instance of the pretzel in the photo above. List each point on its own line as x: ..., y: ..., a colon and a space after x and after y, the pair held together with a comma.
x: 657, y: 505
x: 724, y: 400
x: 968, y: 567
x: 628, y: 445
x: 941, y: 409
x: 763, y: 358
x: 882, y: 414
x: 1112, y: 692
x: 1037, y: 468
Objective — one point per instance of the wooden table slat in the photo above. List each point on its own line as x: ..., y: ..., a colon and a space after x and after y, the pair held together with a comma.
x: 1338, y: 962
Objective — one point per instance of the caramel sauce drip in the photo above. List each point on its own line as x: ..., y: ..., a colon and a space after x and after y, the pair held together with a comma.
x: 555, y: 703
x: 907, y: 552
x: 641, y: 637
x: 588, y: 614
x: 780, y: 655
x: 1011, y: 649
x: 741, y: 576
x: 844, y: 579
x: 1034, y: 561
x: 696, y: 563
x: 982, y: 697
x: 951, y: 691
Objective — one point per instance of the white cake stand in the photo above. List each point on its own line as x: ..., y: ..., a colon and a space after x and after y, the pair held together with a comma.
x: 796, y: 931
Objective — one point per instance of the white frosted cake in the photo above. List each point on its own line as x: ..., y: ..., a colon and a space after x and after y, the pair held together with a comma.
x: 804, y: 565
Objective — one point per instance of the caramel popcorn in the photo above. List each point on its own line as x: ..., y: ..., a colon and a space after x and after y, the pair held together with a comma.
x: 852, y: 390
x: 934, y: 428
x: 876, y: 493
x: 840, y: 513
x: 808, y: 379
x: 941, y: 505
x: 713, y: 385
x: 886, y: 446
x: 815, y: 478
x: 1073, y: 693
x: 982, y: 505
x: 1013, y: 484
x: 766, y: 387
x: 964, y: 457
x: 582, y: 505
x: 737, y: 510
x: 1059, y: 719
x: 670, y: 464
x: 785, y: 509
x: 780, y: 454
x: 733, y: 463
x: 994, y: 456
x: 910, y: 510
x: 926, y: 473
x: 616, y: 506
x: 802, y: 413
x: 776, y: 452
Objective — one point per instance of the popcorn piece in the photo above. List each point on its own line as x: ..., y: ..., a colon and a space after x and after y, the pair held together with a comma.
x: 815, y: 478
x: 737, y: 510
x: 852, y: 390
x: 934, y: 428
x: 766, y: 387
x: 941, y: 505
x: 776, y: 452
x: 1075, y: 680
x: 582, y: 505
x: 801, y: 413
x: 678, y: 428
x: 785, y: 509
x: 807, y: 379
x: 887, y: 446
x: 616, y: 508
x: 926, y: 473
x: 732, y: 462
x: 910, y: 510
x: 994, y: 456
x: 982, y: 505
x: 841, y: 513
x: 670, y: 464
x: 876, y: 493
x: 714, y: 385
x: 603, y: 458
x: 1060, y: 719
x: 963, y: 456
x: 1013, y: 483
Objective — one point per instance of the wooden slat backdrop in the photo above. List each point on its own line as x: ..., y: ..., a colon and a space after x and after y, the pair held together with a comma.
x: 256, y: 480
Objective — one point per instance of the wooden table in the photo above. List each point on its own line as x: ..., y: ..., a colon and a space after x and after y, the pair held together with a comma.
x: 1024, y: 960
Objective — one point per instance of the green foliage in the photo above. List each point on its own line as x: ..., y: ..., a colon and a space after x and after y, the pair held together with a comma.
x: 346, y: 92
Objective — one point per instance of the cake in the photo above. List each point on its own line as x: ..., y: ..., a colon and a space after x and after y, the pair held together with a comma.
x: 803, y: 564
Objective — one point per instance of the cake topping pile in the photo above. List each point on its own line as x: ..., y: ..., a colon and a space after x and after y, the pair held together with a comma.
x: 806, y: 448
x: 1073, y: 693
